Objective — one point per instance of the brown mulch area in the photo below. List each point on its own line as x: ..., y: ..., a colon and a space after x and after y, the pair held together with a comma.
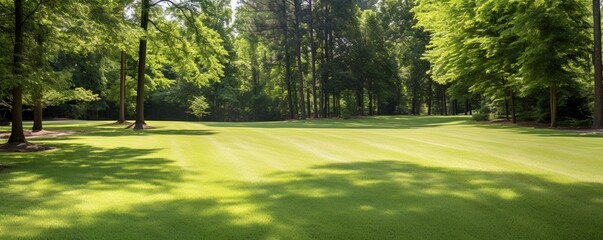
x: 43, y: 133
x: 24, y: 147
x: 30, y: 147
x: 144, y: 126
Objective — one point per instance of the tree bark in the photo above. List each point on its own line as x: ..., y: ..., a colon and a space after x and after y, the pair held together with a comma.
x: 309, y: 110
x: 17, y: 135
x: 313, y: 61
x: 142, y: 55
x: 513, y: 108
x: 429, y: 96
x: 444, y: 107
x: 37, y: 125
x: 507, y: 109
x: 553, y: 99
x: 122, y: 88
x: 371, y: 96
x: 598, y: 111
x: 285, y: 30
x: 300, y: 73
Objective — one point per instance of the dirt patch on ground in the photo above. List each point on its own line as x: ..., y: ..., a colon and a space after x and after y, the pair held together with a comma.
x: 144, y: 126
x: 39, y: 134
x: 24, y: 147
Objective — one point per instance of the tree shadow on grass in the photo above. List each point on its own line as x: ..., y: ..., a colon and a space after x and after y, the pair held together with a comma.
x: 365, y: 200
x: 126, y: 133
x: 380, y: 122
x: 394, y: 200
x: 173, y: 219
x: 79, y: 164
x: 544, y: 132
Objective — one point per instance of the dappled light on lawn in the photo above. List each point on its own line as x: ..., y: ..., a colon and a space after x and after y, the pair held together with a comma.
x: 393, y: 177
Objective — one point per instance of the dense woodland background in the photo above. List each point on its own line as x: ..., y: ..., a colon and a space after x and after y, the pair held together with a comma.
x: 295, y: 59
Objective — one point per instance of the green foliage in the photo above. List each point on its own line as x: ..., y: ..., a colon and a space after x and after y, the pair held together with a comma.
x: 496, y: 48
x: 480, y: 117
x: 198, y: 107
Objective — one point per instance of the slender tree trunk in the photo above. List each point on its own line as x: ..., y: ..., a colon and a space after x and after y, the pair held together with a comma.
x: 429, y: 97
x: 309, y: 110
x: 507, y: 109
x: 413, y: 109
x: 37, y: 124
x: 513, y: 108
x: 142, y: 55
x: 553, y: 99
x: 444, y: 101
x: 122, y: 88
x: 371, y: 96
x: 335, y: 112
x: 313, y: 61
x: 598, y: 111
x: 300, y: 73
x: 17, y: 135
x: 285, y: 30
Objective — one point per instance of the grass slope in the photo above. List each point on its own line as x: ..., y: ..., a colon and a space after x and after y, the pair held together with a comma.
x: 372, y: 178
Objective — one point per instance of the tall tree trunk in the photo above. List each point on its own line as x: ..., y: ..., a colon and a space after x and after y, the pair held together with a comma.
x: 371, y: 96
x: 300, y: 73
x: 360, y: 100
x: 413, y: 108
x: 513, y: 108
x: 598, y: 111
x: 313, y: 61
x: 37, y: 124
x: 122, y: 88
x: 444, y: 101
x: 553, y: 99
x: 507, y: 109
x: 17, y: 135
x: 309, y: 110
x: 454, y: 107
x: 285, y: 30
x: 429, y: 96
x: 142, y: 56
x: 325, y: 73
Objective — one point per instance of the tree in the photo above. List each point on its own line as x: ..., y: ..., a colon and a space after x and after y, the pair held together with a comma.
x: 313, y: 60
x: 598, y: 108
x: 17, y: 135
x: 180, y: 40
x: 142, y: 57
x: 198, y: 107
x: 300, y: 74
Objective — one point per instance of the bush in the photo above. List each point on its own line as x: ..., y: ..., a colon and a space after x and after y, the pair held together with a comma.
x: 198, y: 107
x: 481, y: 117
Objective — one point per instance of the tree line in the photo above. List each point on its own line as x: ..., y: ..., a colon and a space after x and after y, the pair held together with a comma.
x: 298, y: 59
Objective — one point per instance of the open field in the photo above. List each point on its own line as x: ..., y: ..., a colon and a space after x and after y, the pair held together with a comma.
x: 371, y: 178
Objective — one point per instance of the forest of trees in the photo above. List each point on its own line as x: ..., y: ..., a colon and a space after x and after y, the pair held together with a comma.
x: 296, y: 59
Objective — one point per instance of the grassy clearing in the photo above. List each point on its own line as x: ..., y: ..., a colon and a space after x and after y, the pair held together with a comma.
x: 372, y: 178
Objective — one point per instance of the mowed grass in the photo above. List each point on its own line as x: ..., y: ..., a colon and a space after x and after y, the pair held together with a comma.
x: 392, y: 177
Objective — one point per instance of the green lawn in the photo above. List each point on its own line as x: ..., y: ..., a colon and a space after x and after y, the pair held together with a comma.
x: 373, y: 178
